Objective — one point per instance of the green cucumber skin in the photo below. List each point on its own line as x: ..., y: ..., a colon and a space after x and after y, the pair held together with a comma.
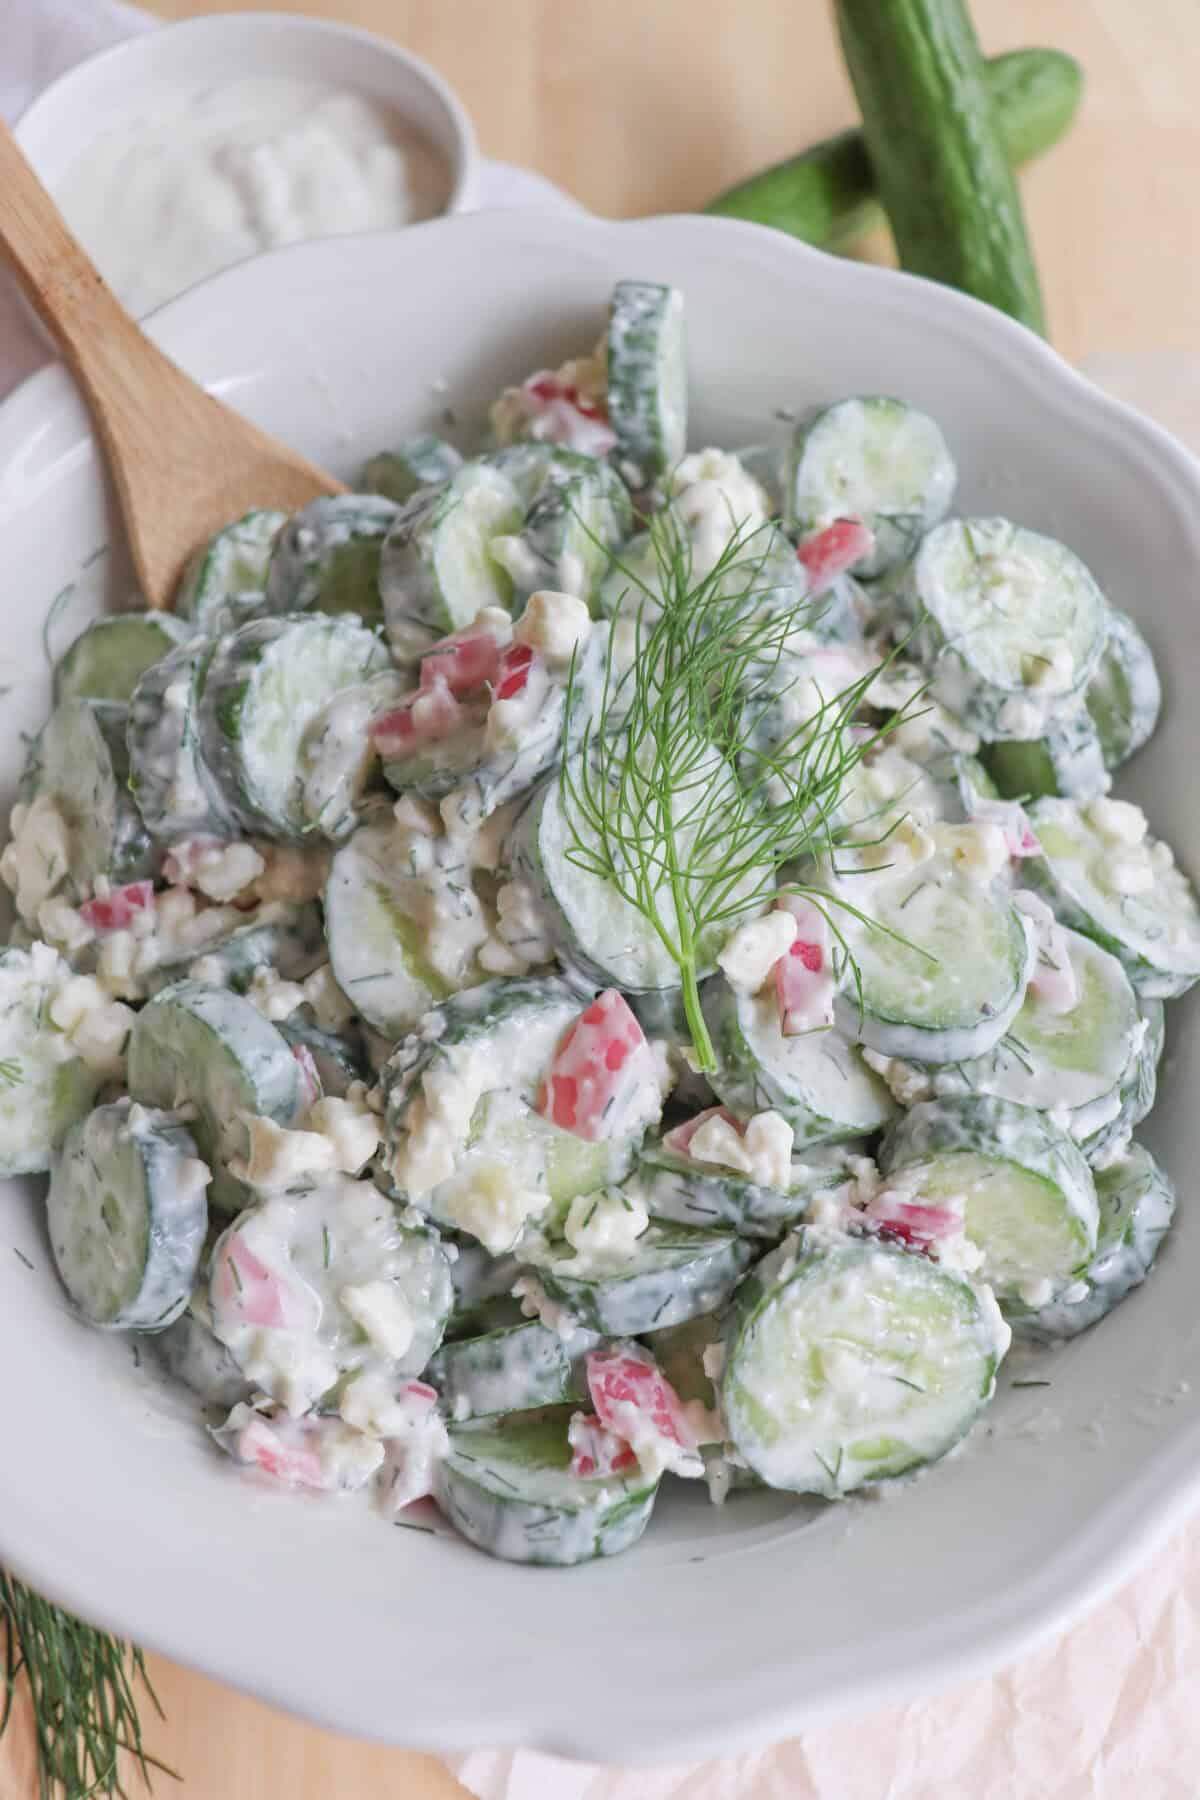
x: 940, y: 162
x: 826, y: 196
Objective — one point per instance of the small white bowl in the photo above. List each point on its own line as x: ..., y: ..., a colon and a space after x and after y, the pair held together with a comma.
x: 112, y: 89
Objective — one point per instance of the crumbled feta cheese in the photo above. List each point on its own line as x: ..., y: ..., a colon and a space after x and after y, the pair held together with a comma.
x: 351, y: 1126
x: 553, y: 624
x: 96, y: 1027
x: 279, y: 1158
x: 63, y: 925
x: 605, y: 1227
x: 751, y: 952
x: 1118, y: 820
x: 220, y: 871
x: 493, y: 1204
x: 1054, y: 673
x: 716, y: 498
x: 508, y: 721
x: 275, y: 998
x: 978, y: 851
x: 763, y: 1151
x: 712, y: 1360
x: 36, y: 860
x: 1036, y: 1293
x: 907, y: 1084
x: 537, y: 1304
x: 380, y: 1309
x: 439, y: 1118
x: 1021, y: 718
x: 331, y: 1009
x: 1133, y: 873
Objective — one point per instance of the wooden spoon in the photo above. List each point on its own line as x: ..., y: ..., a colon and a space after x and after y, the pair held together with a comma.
x: 183, y: 464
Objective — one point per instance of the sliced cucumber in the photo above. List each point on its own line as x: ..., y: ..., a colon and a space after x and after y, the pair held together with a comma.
x: 942, y: 964
x: 818, y: 1080
x: 176, y: 792
x: 511, y: 1370
x: 675, y: 1187
x: 422, y: 461
x: 507, y: 1486
x: 326, y: 558
x: 44, y: 1086
x: 205, y: 1048
x: 287, y: 938
x: 632, y: 581
x: 232, y: 566
x: 1154, y: 931
x: 358, y: 1290
x: 80, y: 762
x: 959, y: 783
x: 339, y: 1058
x: 1030, y: 1200
x: 109, y: 658
x: 481, y: 1282
x: 1124, y: 696
x: 1066, y: 760
x: 1080, y: 1061
x: 675, y: 1272
x: 1010, y: 623
x: 1137, y: 1205
x: 126, y: 1214
x: 266, y: 684
x: 1138, y: 1091
x: 875, y: 459
x: 190, y: 1353
x: 852, y: 1363
x: 647, y: 379
x: 437, y: 573
x: 338, y: 761
x: 389, y: 892
x: 577, y: 519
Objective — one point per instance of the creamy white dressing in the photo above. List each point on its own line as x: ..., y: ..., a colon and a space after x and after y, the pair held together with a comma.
x: 211, y: 175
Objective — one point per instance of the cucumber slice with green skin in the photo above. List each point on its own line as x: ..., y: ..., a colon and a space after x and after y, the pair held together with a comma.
x: 176, y: 792
x: 126, y: 1214
x: 511, y: 1370
x: 1066, y: 760
x: 507, y: 1486
x: 81, y: 763
x: 1124, y: 696
x: 232, y: 566
x: 266, y: 684
x: 211, y: 1050
x: 531, y: 463
x: 1010, y: 624
x: 1138, y: 1092
x: 576, y: 521
x: 595, y: 931
x: 675, y: 1188
x: 1137, y: 1205
x: 109, y: 658
x: 959, y: 783
x: 436, y: 573
x: 307, y: 1250
x: 44, y: 1088
x: 480, y: 1281
x: 339, y: 762
x: 388, y: 892
x: 675, y: 1272
x: 851, y: 1363
x: 1080, y: 1061
x: 287, y: 938
x: 422, y: 461
x: 190, y: 1353
x: 326, y: 558
x: 817, y: 1080
x: 1029, y: 1193
x: 340, y: 1059
x: 647, y: 379
x: 944, y: 977
x: 1155, y: 933
x: 876, y: 459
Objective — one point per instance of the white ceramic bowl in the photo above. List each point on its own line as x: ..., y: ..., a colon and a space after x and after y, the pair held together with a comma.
x: 115, y: 87
x: 722, y: 1629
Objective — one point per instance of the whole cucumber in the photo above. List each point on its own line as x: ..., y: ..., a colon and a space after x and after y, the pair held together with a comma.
x: 826, y: 195
x: 946, y: 184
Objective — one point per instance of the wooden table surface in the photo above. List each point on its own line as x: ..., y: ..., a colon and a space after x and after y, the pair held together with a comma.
x: 639, y: 109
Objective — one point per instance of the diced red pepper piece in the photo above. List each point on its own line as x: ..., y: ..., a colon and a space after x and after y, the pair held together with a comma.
x: 119, y: 908
x: 803, y: 976
x: 913, y: 1221
x: 512, y: 675
x: 187, y: 857
x: 425, y: 717
x: 681, y: 1136
x: 247, y: 1289
x: 296, y: 1462
x: 601, y: 1070
x: 596, y: 1451
x: 830, y: 553
x: 630, y: 1392
x: 466, y: 660
x: 308, y: 1072
x: 563, y: 415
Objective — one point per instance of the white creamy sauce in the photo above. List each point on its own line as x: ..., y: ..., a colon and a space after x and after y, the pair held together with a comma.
x: 214, y: 174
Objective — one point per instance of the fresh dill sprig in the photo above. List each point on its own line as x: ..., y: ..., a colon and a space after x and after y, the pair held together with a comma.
x: 81, y: 1685
x: 671, y: 794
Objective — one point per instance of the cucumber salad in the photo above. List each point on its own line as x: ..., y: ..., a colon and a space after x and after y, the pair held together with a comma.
x: 596, y: 962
